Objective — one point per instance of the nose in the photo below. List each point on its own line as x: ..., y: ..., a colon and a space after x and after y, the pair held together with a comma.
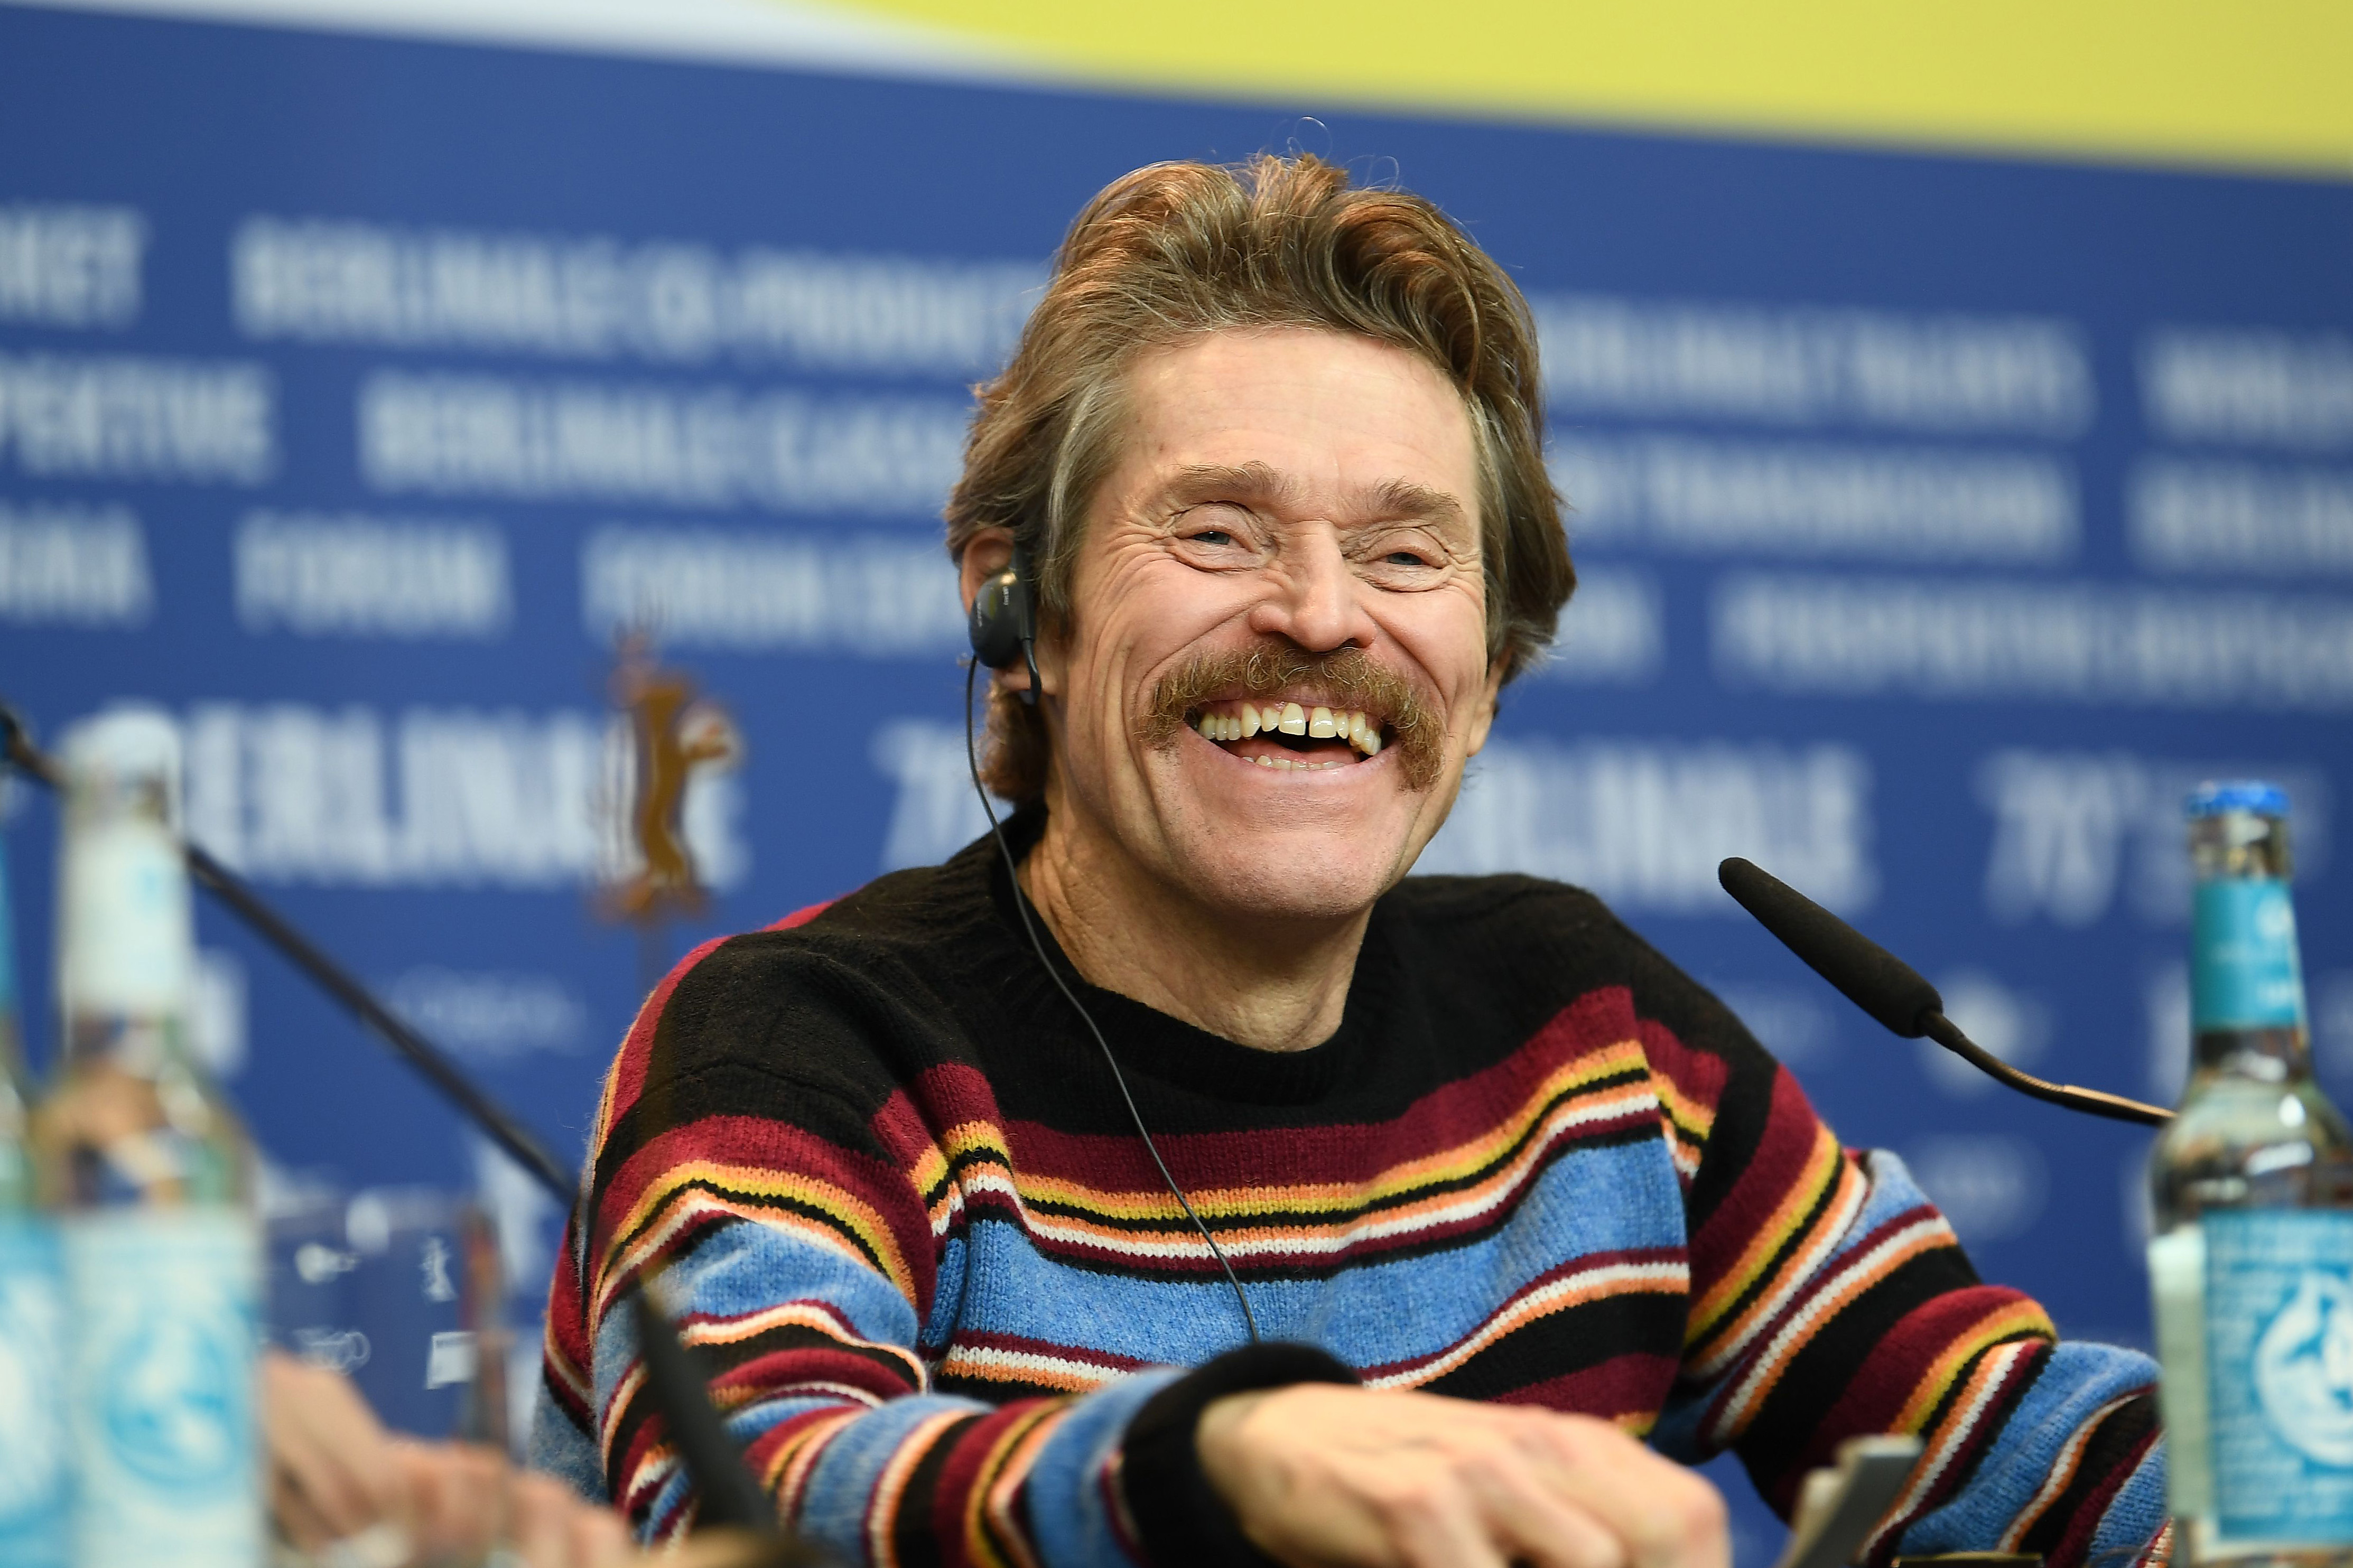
x: 1316, y: 600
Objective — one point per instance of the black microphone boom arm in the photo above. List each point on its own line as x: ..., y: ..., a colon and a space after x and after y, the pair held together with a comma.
x: 1891, y: 991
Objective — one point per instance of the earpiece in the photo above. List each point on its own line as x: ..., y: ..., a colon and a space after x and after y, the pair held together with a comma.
x: 1005, y: 621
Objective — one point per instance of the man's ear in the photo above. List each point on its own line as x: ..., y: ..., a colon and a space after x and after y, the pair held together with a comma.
x: 987, y: 553
x: 1498, y: 671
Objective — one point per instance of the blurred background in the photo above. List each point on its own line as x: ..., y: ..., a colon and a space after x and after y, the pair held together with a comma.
x: 1955, y: 405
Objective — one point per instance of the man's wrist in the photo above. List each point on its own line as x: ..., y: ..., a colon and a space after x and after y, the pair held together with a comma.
x: 1213, y: 1435
x: 1180, y: 1516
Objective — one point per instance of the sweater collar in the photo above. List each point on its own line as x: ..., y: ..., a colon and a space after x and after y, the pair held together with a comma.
x: 1151, y: 1044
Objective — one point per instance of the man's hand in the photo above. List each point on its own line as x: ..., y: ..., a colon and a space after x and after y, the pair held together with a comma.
x: 331, y: 1478
x: 1322, y: 1476
x: 337, y: 1478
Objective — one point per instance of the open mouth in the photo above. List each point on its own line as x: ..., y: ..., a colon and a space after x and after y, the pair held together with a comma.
x: 1290, y: 735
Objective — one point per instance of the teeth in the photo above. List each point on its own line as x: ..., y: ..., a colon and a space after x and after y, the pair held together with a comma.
x: 1359, y: 729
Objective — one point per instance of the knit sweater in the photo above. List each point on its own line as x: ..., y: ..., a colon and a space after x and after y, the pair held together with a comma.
x: 939, y: 1291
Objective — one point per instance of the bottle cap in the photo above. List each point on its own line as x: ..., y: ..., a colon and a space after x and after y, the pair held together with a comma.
x: 2215, y: 798
x: 126, y: 746
x: 131, y: 741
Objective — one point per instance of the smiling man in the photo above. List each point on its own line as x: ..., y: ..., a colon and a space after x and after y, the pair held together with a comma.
x: 1517, y: 1216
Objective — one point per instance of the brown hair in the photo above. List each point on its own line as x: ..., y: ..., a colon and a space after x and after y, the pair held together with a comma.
x: 1176, y: 250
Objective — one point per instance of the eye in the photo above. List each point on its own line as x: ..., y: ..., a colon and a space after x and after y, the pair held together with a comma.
x: 1407, y: 558
x: 1214, y: 536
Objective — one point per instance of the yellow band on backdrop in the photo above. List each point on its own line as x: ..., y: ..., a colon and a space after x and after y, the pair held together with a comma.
x: 2264, y: 84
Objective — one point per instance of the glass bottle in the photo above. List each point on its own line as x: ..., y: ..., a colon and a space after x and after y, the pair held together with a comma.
x: 2251, y: 1261
x: 35, y: 1479
x: 149, y: 1173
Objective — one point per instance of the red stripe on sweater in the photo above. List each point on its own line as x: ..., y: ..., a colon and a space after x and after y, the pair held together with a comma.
x: 1461, y: 1111
x: 775, y: 1374
x: 1784, y: 1148
x: 1625, y: 1385
x: 2075, y: 1546
x: 1878, y: 1390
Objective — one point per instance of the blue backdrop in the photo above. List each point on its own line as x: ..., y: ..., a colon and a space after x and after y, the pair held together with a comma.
x: 1941, y: 519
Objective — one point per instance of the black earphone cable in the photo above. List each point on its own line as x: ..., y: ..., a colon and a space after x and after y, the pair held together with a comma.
x: 1029, y: 924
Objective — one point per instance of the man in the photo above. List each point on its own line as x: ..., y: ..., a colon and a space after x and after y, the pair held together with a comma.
x: 1522, y: 1215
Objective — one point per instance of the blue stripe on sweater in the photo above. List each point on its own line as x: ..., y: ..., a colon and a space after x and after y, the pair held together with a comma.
x: 1375, y: 1311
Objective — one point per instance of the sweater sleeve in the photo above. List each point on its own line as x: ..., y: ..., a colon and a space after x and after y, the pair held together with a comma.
x: 806, y: 1255
x: 1830, y: 1299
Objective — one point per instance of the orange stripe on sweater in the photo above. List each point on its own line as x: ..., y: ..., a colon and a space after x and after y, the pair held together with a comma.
x: 2062, y: 1472
x: 789, y: 1468
x: 1821, y: 1309
x: 1826, y: 1172
x: 981, y: 1542
x: 2021, y: 1317
x: 891, y: 1486
x: 1002, y: 1504
x: 850, y: 1216
x: 1556, y: 1095
x: 1980, y: 1393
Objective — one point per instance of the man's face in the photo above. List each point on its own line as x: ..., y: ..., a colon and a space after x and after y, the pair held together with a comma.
x: 1290, y: 494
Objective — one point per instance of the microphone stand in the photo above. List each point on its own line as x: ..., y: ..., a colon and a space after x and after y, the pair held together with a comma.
x: 730, y: 1499
x: 1891, y: 991
x: 2090, y: 1102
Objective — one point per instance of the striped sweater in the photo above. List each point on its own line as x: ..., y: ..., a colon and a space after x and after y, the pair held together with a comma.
x: 933, y: 1277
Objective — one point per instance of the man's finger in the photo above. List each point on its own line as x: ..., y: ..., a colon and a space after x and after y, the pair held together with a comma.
x: 297, y: 1519
x: 327, y: 1443
x: 554, y: 1529
x: 1665, y: 1516
x: 600, y: 1537
x: 1449, y: 1533
x: 1531, y: 1518
x: 459, y: 1494
x: 541, y: 1536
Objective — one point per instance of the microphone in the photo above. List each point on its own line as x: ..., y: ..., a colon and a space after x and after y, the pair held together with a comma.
x: 730, y: 1496
x: 1893, y: 991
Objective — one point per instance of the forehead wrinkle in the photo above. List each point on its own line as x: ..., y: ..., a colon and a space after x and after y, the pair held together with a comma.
x: 1253, y: 483
x: 1402, y: 501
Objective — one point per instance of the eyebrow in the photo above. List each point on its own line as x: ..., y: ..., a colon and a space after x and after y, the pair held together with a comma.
x: 1255, y: 483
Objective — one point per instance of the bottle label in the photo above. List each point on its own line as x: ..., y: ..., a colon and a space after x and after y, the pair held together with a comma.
x: 125, y: 941
x: 36, y: 1489
x: 165, y: 1307
x: 2244, y: 968
x: 2279, y: 1362
x: 2176, y: 1276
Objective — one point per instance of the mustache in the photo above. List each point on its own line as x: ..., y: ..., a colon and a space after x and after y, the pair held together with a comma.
x: 1348, y: 678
